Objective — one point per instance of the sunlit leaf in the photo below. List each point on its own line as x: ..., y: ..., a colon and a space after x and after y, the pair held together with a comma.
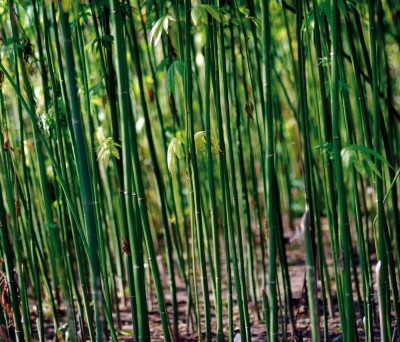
x: 175, y: 150
x: 199, y: 13
x: 366, y: 150
x: 115, y: 152
x: 347, y: 155
x: 161, y: 25
x: 245, y: 17
x: 363, y: 163
x: 200, y: 141
x: 107, y: 148
x: 213, y: 10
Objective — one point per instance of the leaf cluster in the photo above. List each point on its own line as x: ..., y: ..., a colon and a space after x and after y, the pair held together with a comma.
x: 358, y: 156
x: 108, y: 147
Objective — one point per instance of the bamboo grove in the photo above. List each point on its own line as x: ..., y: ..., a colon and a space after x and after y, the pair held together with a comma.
x: 159, y: 150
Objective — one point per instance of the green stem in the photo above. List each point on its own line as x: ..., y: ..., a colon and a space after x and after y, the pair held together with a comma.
x: 349, y: 326
x: 85, y: 180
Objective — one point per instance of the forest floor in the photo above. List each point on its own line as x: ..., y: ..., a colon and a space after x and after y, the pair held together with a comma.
x: 187, y: 329
x: 258, y: 329
x: 295, y: 257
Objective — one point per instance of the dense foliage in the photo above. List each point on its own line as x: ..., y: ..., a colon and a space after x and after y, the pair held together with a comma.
x: 153, y: 145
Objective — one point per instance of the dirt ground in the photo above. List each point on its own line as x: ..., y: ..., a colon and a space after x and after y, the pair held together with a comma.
x: 258, y: 329
x: 295, y: 253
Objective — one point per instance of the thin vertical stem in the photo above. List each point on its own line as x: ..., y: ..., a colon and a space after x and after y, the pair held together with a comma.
x: 349, y: 327
x: 193, y: 169
x: 85, y: 180
x: 270, y: 172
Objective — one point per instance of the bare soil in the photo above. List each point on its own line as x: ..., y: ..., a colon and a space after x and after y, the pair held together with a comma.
x: 295, y: 257
x: 187, y: 328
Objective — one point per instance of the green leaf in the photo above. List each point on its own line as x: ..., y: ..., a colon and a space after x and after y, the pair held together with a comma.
x: 347, y: 155
x: 343, y: 86
x: 360, y: 168
x: 161, y: 25
x: 366, y: 150
x: 324, y: 61
x: 103, y: 41
x: 115, y: 152
x: 175, y: 150
x: 364, y: 164
x: 176, y: 66
x: 245, y: 13
x: 107, y: 148
x: 200, y: 140
x: 214, y: 11
x: 171, y: 79
x: 199, y: 15
x: 94, y: 44
x: 244, y: 10
x: 373, y: 167
x: 326, y: 149
x: 156, y: 31
x: 180, y: 67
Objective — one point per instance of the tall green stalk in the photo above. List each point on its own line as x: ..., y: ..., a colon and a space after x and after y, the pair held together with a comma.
x: 228, y: 175
x: 211, y: 183
x: 138, y: 297
x: 85, y: 180
x: 308, y: 225
x: 159, y: 181
x: 225, y: 192
x: 235, y: 186
x: 139, y: 195
x: 193, y: 169
x: 349, y: 326
x: 382, y: 241
x: 270, y: 173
